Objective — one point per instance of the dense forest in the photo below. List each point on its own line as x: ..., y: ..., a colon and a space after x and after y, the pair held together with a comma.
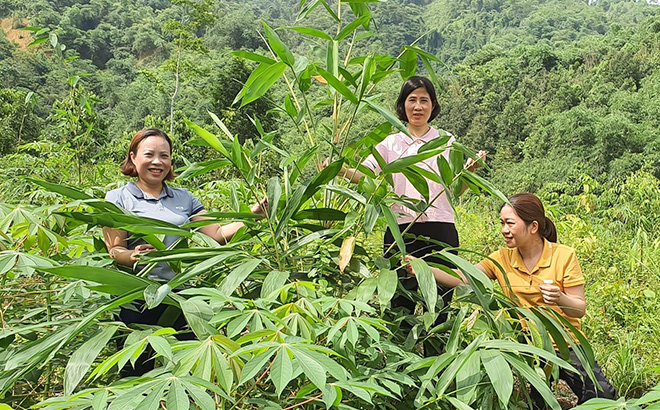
x: 564, y: 96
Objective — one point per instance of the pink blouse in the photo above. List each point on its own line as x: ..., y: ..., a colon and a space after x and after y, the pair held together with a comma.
x: 400, y: 145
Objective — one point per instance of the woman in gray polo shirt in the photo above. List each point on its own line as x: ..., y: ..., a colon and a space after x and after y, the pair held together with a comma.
x: 149, y: 159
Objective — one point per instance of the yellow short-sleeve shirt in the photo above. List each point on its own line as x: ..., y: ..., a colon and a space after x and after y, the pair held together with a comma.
x: 557, y: 262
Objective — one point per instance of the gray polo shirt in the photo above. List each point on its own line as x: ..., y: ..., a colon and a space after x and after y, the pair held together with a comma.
x: 174, y: 205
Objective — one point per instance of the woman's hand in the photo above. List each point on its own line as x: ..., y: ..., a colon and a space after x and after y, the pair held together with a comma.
x: 260, y: 208
x: 472, y: 165
x: 141, y: 250
x: 550, y: 293
x: 408, y: 265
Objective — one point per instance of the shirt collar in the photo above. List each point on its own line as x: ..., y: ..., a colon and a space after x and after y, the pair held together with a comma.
x: 544, y: 260
x: 134, y: 190
x: 430, y: 134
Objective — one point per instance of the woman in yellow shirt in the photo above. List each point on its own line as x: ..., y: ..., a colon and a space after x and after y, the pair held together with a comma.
x: 540, y: 272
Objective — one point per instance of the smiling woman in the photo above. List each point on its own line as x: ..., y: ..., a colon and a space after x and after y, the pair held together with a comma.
x: 149, y: 160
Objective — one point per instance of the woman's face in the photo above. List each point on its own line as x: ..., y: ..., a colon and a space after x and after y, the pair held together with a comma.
x: 152, y: 160
x: 515, y: 231
x: 418, y: 107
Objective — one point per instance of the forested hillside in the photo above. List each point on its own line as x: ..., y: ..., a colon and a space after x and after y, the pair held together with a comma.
x: 564, y: 95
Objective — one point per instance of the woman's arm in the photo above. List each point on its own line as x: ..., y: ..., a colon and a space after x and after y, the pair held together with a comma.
x: 442, y: 277
x: 571, y: 301
x: 115, y: 241
x: 352, y: 174
x: 223, y: 233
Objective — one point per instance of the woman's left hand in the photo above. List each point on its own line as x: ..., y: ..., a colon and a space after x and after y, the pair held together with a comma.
x: 260, y: 208
x: 472, y: 165
x: 551, y: 293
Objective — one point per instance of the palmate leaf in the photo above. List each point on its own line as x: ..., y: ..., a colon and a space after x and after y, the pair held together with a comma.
x: 281, y: 372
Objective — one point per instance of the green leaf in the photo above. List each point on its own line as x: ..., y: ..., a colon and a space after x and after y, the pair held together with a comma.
x: 311, y: 32
x: 467, y: 378
x: 445, y: 171
x: 238, y: 275
x: 485, y: 185
x: 420, y: 183
x: 370, y: 218
x: 281, y: 372
x: 391, y: 118
x: 63, y: 190
x: 260, y: 81
x: 408, y: 64
x: 177, y: 399
x: 387, y: 282
x: 273, y: 193
x: 200, y: 168
x: 81, y: 360
x: 400, y: 164
x: 278, y: 47
x: 312, y: 369
x: 255, y: 364
x: 427, y: 284
x: 253, y: 56
x: 211, y: 139
x: 273, y: 282
x: 109, y: 281
x: 320, y: 214
x: 154, y: 294
x: 499, y: 373
x: 352, y: 26
x: 394, y: 228
x: 530, y: 375
x: 338, y: 85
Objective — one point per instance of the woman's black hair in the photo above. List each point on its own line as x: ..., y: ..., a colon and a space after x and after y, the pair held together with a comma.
x: 410, y: 85
x: 529, y: 208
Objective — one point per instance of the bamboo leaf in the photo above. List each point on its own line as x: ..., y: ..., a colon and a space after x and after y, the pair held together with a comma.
x: 408, y: 64
x: 81, y: 360
x: 352, y: 26
x: 253, y: 56
x: 338, y: 85
x: 400, y: 164
x: 391, y: 118
x: 387, y: 282
x: 499, y: 373
x: 524, y: 369
x: 485, y: 185
x: 211, y: 139
x: 238, y: 275
x: 154, y: 294
x: 320, y: 214
x: 273, y: 193
x: 273, y: 282
x: 262, y: 78
x: 420, y: 183
x: 346, y: 252
x: 63, y: 190
x: 427, y: 284
x: 394, y: 228
x: 278, y: 46
x: 312, y: 32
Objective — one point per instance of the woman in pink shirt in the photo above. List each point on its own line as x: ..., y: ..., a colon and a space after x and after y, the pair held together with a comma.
x: 417, y: 105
